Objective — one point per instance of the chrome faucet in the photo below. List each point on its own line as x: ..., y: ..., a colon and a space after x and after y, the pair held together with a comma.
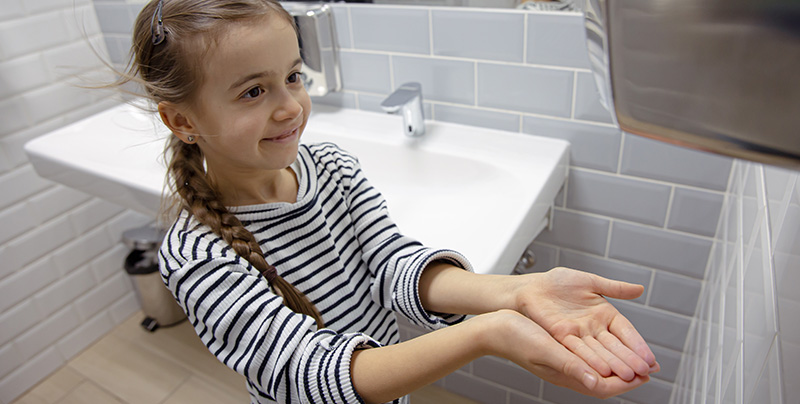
x: 408, y: 100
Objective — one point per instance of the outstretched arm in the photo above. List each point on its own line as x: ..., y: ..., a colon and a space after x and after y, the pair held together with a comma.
x: 385, y: 373
x: 569, y: 304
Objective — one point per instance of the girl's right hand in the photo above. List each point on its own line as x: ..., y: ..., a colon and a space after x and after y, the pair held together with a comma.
x: 512, y: 336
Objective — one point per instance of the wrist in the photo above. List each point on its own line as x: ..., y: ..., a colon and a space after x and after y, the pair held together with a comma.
x: 520, y: 290
x: 485, y: 332
x: 499, y: 292
x: 492, y: 332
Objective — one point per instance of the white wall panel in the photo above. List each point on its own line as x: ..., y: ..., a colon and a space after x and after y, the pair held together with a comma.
x: 743, y: 344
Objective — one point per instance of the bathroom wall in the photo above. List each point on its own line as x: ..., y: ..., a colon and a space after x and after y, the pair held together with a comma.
x: 61, y: 280
x: 744, y: 343
x: 632, y: 209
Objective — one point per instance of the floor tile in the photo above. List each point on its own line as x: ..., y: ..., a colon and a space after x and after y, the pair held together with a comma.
x: 133, y: 373
x: 54, y: 388
x: 88, y: 392
x: 198, y: 390
x: 170, y: 366
x: 181, y: 344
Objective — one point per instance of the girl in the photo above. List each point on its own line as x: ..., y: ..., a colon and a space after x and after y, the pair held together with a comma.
x: 319, y: 325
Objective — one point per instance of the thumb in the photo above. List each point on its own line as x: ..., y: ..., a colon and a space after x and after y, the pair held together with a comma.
x: 582, y: 373
x: 589, y: 380
x: 574, y: 367
x: 617, y: 289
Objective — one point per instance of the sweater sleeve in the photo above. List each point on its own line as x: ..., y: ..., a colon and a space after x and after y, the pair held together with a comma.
x: 281, y: 353
x: 396, y: 261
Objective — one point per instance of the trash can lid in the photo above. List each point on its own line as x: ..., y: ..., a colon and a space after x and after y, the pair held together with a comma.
x: 143, y: 238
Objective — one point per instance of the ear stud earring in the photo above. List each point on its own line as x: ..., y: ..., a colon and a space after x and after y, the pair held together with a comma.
x: 190, y: 139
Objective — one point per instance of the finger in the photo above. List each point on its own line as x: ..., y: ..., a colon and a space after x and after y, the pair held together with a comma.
x: 617, y: 365
x: 629, y: 358
x: 627, y: 334
x: 588, y: 354
x: 655, y: 368
x: 617, y: 289
x: 569, y: 369
x: 604, y: 387
x: 614, y: 385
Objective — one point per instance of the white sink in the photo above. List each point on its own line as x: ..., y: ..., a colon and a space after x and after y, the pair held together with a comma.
x: 485, y: 193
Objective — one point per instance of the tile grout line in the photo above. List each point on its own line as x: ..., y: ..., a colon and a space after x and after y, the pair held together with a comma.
x: 50, y: 377
x: 102, y: 388
x: 647, y: 179
x: 177, y: 387
x: 350, y: 26
x: 523, y: 114
x: 608, y: 239
x: 622, y: 136
x: 650, y: 288
x: 670, y: 201
x: 525, y: 38
x: 391, y: 74
x: 475, y: 84
x: 634, y: 223
x: 430, y: 32
x: 467, y: 59
x: 574, y: 94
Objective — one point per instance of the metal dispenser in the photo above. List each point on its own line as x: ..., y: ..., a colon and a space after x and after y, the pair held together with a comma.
x: 318, y: 47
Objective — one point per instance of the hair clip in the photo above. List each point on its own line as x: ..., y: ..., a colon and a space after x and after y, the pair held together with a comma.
x: 157, y: 25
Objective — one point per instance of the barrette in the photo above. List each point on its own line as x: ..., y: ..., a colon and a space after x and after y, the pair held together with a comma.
x: 157, y: 25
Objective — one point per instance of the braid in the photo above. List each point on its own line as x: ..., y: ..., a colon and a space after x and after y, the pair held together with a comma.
x: 200, y: 199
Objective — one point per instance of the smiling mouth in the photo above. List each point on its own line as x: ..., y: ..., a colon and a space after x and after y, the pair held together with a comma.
x: 284, y: 137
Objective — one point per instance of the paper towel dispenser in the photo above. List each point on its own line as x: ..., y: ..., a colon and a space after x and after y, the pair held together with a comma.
x: 716, y: 75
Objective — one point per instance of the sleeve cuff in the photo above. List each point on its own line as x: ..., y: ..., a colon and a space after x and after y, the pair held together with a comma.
x: 406, y: 291
x: 328, y: 368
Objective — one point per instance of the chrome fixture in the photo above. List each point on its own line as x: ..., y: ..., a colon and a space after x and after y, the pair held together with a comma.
x: 318, y: 47
x: 549, y: 5
x: 407, y: 100
x: 715, y: 75
x: 526, y: 262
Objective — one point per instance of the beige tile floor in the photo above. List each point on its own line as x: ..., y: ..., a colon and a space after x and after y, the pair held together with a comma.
x: 170, y: 366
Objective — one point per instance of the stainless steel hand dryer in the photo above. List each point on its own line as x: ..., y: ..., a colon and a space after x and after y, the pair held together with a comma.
x: 716, y: 75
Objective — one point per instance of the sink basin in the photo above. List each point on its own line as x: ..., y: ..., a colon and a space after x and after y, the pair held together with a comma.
x: 485, y: 193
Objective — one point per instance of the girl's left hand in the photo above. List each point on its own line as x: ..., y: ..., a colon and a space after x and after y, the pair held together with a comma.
x: 569, y: 304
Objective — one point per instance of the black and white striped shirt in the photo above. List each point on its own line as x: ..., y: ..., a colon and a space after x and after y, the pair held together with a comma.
x: 337, y: 245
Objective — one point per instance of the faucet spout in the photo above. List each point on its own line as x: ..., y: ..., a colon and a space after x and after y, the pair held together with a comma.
x: 407, y: 100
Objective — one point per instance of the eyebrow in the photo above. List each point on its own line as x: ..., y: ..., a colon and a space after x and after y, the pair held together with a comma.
x: 258, y: 75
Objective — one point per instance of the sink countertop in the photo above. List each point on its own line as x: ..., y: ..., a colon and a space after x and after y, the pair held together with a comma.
x: 483, y: 192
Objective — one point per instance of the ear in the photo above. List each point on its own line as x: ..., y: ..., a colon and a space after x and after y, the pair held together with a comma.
x: 177, y: 121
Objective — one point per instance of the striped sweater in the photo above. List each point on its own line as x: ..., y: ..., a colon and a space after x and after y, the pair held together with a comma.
x: 338, y: 245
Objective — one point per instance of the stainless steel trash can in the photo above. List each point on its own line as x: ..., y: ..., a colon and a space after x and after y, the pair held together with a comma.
x: 141, y: 264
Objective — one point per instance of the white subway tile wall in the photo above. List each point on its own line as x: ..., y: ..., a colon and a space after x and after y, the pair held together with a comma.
x: 629, y: 199
x: 633, y: 209
x: 593, y: 146
x: 499, y: 37
x: 743, y: 346
x: 59, y: 290
x: 619, y: 215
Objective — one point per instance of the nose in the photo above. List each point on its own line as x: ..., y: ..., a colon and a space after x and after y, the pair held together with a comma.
x: 288, y: 106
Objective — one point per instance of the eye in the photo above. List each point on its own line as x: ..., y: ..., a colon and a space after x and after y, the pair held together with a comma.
x: 253, y: 92
x: 295, y: 77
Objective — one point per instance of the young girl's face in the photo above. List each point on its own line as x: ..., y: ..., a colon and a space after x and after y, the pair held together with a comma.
x: 252, y: 106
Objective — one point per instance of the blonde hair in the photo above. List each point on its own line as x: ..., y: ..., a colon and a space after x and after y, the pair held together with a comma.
x: 166, y: 71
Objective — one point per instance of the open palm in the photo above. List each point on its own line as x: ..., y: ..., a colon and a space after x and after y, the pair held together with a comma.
x: 571, y: 306
x: 527, y: 344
